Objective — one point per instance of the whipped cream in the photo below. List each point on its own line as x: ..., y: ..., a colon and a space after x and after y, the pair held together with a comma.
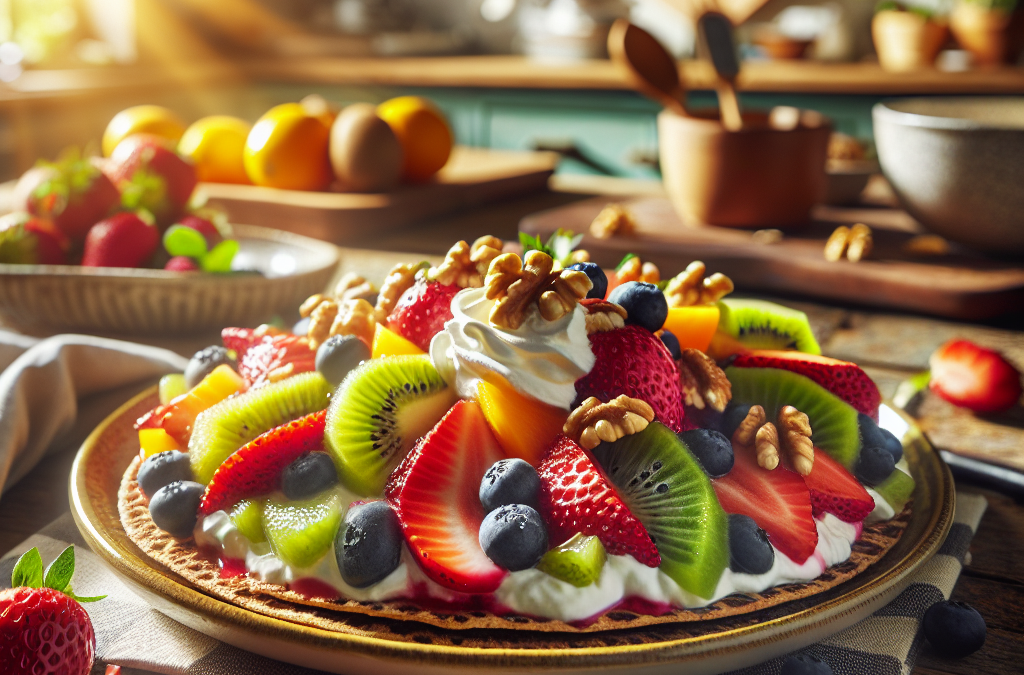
x: 541, y: 359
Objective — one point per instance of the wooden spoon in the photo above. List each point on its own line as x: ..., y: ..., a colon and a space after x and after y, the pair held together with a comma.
x: 651, y: 68
x: 716, y: 31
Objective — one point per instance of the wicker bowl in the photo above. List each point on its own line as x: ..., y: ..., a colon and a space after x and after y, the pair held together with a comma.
x: 61, y: 298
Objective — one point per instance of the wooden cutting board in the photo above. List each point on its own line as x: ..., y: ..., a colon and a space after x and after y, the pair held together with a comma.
x: 960, y: 285
x: 473, y: 176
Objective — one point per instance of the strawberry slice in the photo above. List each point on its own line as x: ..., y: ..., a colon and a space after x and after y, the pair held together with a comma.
x: 435, y: 492
x: 974, y: 377
x: 255, y: 469
x: 263, y: 350
x: 777, y: 500
x: 576, y: 496
x: 422, y: 311
x: 835, y: 491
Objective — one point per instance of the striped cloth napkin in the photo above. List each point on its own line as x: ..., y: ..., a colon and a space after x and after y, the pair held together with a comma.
x: 131, y: 634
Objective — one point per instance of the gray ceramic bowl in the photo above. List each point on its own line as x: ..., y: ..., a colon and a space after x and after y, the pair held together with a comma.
x: 957, y: 165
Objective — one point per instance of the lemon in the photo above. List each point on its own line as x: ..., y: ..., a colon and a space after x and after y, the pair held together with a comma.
x: 142, y: 119
x: 423, y: 132
x: 216, y: 144
x: 287, y: 148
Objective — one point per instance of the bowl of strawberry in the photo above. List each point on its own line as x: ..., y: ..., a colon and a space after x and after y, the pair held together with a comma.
x: 119, y: 245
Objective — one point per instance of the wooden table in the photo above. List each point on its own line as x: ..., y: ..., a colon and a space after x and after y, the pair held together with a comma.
x: 890, y: 346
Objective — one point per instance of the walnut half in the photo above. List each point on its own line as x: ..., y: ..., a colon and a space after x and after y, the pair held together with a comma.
x: 702, y: 381
x: 516, y: 285
x: 690, y: 287
x: 791, y: 433
x: 593, y: 422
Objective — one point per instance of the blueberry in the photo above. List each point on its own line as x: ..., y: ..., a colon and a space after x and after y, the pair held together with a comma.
x: 338, y: 355
x: 309, y: 474
x: 954, y: 629
x: 174, y: 508
x: 204, y: 361
x: 509, y: 481
x: 163, y: 468
x: 644, y: 303
x: 873, y: 435
x: 597, y: 277
x: 731, y: 418
x: 368, y: 546
x: 301, y: 326
x: 672, y: 343
x: 805, y: 664
x: 712, y: 449
x: 750, y: 551
x: 514, y: 536
x: 874, y: 466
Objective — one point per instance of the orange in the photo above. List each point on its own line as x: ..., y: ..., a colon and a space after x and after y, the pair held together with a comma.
x: 524, y: 426
x: 216, y: 145
x: 142, y: 119
x: 423, y: 132
x: 693, y: 326
x: 287, y: 149
x: 152, y: 441
x: 387, y: 342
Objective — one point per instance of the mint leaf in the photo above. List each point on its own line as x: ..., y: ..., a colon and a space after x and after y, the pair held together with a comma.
x: 184, y: 241
x: 629, y: 256
x: 28, y: 571
x: 60, y: 571
x: 561, y: 245
x: 219, y: 259
x: 531, y: 243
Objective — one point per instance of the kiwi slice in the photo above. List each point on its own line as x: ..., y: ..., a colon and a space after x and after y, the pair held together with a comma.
x: 834, y: 426
x: 665, y: 487
x: 247, y: 515
x: 227, y: 426
x: 896, y: 489
x: 760, y: 324
x: 379, y: 411
x: 301, y: 532
x: 578, y: 561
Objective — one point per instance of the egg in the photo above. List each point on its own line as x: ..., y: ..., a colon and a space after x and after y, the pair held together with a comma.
x: 365, y: 153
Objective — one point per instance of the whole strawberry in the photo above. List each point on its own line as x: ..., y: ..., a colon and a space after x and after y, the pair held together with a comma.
x: 122, y: 240
x: 27, y: 240
x: 43, y: 628
x: 974, y: 377
x: 150, y: 176
x: 203, y: 226
x: 633, y: 361
x: 422, y: 311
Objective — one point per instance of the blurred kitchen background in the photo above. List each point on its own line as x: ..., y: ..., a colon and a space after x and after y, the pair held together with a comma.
x: 509, y: 73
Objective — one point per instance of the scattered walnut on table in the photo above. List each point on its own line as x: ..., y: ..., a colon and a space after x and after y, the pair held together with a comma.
x: 593, y: 422
x: 855, y: 243
x: 614, y: 220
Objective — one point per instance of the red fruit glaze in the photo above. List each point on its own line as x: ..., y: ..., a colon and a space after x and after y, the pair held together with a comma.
x: 122, y: 240
x: 259, y: 354
x: 44, y: 632
x: 835, y: 491
x: 635, y: 362
x: 153, y: 177
x: 576, y: 496
x: 422, y: 311
x: 973, y: 377
x: 842, y: 378
x: 181, y: 263
x: 777, y: 500
x: 435, y: 492
x: 255, y: 468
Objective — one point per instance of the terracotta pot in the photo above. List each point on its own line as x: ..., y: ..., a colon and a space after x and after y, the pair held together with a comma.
x: 906, y: 41
x: 982, y: 31
x: 758, y: 177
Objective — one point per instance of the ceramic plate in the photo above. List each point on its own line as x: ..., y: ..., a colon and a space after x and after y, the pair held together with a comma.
x: 409, y: 647
x: 154, y: 302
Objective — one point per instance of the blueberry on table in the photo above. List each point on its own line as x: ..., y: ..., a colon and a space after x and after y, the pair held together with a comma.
x: 873, y: 435
x: 338, y: 355
x: 750, y: 552
x: 644, y: 303
x: 597, y: 277
x: 671, y: 342
x: 509, y: 481
x: 712, y: 449
x: 204, y: 361
x: 954, y: 629
x: 308, y: 475
x: 874, y: 465
x: 175, y: 507
x: 804, y: 664
x: 368, y: 546
x: 514, y: 537
x: 162, y: 469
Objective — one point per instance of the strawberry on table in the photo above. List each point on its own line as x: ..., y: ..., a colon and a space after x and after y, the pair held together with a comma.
x: 422, y: 311
x: 43, y: 628
x: 974, y: 377
x: 150, y: 176
x: 28, y: 240
x: 122, y: 240
x: 576, y: 497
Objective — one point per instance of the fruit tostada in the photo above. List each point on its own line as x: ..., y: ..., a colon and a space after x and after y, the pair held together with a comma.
x: 505, y: 441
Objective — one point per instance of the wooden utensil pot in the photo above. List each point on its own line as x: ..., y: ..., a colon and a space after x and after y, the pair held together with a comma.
x: 757, y: 177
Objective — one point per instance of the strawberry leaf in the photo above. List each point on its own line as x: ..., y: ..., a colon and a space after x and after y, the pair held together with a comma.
x: 79, y: 598
x: 59, y: 573
x: 219, y: 259
x: 28, y: 571
x: 184, y: 241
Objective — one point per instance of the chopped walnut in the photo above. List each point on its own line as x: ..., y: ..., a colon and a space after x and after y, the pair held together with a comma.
x: 517, y: 285
x: 926, y: 244
x: 321, y: 316
x: 635, y: 269
x: 352, y: 285
x: 482, y: 252
x: 580, y: 255
x: 603, y: 316
x: 614, y: 220
x: 462, y: 264
x: 690, y: 287
x: 854, y: 243
x: 593, y: 422
x: 795, y: 430
x: 702, y: 381
x: 355, y: 317
x: 400, y: 279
